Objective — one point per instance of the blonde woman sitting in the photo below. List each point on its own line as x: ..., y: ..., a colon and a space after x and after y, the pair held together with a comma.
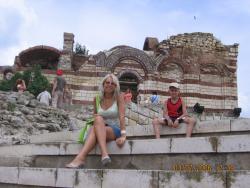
x: 109, y: 122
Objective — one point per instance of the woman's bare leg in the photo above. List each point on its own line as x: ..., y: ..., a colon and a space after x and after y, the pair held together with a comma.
x: 87, y: 147
x: 103, y: 134
x: 100, y: 132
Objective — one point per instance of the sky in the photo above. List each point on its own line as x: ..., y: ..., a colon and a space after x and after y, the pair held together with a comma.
x: 103, y: 24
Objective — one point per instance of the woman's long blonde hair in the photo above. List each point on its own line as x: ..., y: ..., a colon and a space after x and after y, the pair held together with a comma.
x: 117, y: 88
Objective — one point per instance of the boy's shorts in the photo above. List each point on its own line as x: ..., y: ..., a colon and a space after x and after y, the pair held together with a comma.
x: 173, y: 120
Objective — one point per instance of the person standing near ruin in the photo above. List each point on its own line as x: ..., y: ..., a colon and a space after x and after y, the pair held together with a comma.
x: 139, y: 97
x: 67, y: 96
x: 59, y: 84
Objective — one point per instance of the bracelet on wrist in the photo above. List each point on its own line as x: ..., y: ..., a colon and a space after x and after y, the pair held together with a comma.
x: 123, y: 132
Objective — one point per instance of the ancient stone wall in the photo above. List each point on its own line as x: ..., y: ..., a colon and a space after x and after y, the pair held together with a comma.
x: 200, y: 63
x: 65, y: 61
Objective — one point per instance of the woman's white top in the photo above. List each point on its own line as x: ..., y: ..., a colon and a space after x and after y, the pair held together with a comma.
x: 111, y: 115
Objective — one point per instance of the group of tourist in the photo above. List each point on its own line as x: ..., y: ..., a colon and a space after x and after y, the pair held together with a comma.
x: 109, y: 118
x: 109, y: 113
x: 154, y: 99
x: 61, y: 92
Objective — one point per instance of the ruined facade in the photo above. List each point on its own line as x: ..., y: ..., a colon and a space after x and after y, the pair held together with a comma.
x: 204, y: 67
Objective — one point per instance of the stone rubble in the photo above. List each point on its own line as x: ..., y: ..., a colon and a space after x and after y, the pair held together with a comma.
x: 22, y: 115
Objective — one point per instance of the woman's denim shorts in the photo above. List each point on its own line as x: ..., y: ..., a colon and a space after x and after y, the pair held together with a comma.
x: 116, y: 130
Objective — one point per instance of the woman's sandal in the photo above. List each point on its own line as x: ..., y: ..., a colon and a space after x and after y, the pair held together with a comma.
x: 106, y: 160
x: 74, y: 166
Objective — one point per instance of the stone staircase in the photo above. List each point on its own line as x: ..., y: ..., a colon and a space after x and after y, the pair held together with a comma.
x: 144, y: 114
x: 218, y: 155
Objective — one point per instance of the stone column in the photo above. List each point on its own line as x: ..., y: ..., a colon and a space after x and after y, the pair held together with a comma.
x: 65, y: 60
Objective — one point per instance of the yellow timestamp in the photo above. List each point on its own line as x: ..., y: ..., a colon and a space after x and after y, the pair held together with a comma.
x: 202, y: 167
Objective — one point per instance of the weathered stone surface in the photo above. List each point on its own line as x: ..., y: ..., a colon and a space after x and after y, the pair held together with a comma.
x: 65, y: 177
x: 45, y: 149
x: 150, y: 146
x: 192, y: 145
x: 88, y: 178
x: 205, y: 127
x: 234, y: 143
x: 240, y: 124
x: 8, y: 174
x: 43, y: 177
x: 22, y: 115
x: 69, y: 149
x: 16, y: 150
x: 218, y: 144
x: 238, y: 179
x: 191, y: 179
x: 53, y: 177
x: 112, y: 147
x: 127, y: 179
x: 213, y: 126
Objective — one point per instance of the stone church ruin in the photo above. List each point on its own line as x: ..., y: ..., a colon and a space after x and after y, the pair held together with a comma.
x: 204, y: 67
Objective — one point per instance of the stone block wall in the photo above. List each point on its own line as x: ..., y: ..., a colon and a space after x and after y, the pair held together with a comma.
x: 67, y: 53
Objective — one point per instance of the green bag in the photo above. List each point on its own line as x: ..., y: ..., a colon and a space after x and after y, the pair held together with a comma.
x: 84, y: 131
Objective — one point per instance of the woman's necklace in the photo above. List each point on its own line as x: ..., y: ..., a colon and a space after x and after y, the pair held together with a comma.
x: 107, y: 103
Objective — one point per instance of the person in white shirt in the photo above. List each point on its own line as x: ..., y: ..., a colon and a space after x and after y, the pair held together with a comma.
x: 44, y: 97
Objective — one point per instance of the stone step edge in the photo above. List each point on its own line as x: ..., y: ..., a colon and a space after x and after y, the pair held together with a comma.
x: 219, y: 126
x: 216, y: 144
x: 61, y: 177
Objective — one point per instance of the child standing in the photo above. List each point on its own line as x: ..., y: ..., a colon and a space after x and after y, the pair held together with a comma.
x: 20, y: 86
x: 175, y: 112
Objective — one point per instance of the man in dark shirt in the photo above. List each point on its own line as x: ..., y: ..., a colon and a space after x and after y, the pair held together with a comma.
x: 58, y: 89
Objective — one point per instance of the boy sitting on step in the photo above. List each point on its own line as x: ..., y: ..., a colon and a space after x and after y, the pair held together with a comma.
x: 175, y: 112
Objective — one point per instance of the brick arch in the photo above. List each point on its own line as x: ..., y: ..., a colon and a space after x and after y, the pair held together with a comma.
x: 226, y: 71
x: 165, y: 60
x: 211, y: 68
x: 212, y: 74
x: 46, y: 56
x: 172, y: 70
x: 126, y: 52
x: 162, y: 65
x: 120, y: 74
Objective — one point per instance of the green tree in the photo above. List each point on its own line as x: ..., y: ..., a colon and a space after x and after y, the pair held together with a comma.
x: 37, y: 81
x: 7, y: 85
x: 81, y: 49
x: 34, y: 80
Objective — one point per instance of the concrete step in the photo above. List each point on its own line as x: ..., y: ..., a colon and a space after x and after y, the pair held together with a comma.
x: 215, y: 127
x: 138, y: 154
x: 61, y: 177
x: 208, y: 144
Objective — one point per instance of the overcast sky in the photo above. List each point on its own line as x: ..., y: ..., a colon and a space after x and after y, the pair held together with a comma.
x: 103, y: 24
